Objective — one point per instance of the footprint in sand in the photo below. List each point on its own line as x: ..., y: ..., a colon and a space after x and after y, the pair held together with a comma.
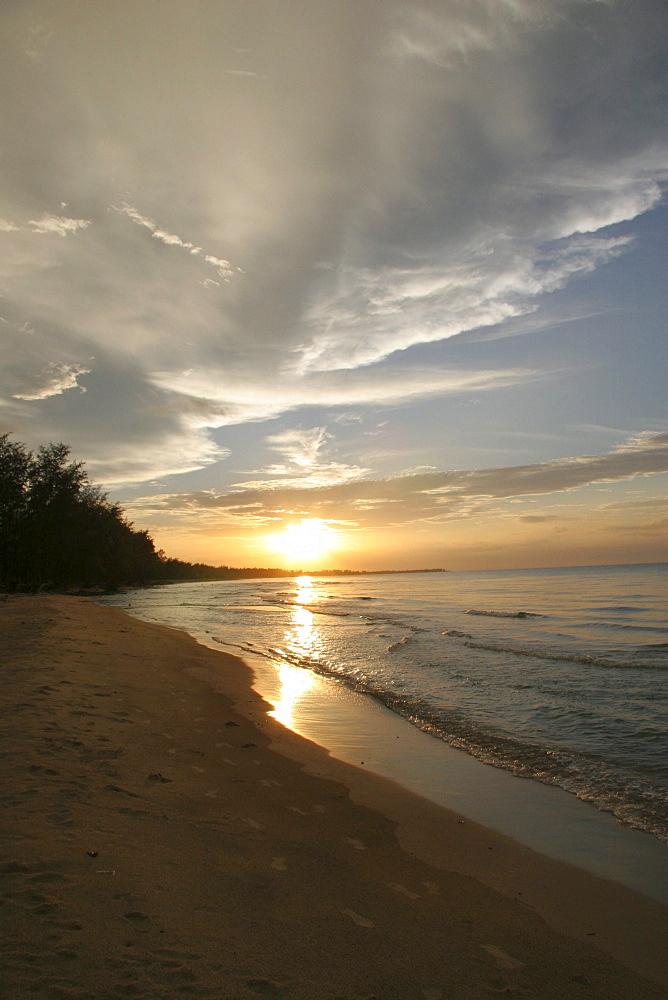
x: 402, y: 890
x: 253, y: 824
x: 279, y: 864
x: 357, y: 844
x: 503, y: 959
x: 357, y: 919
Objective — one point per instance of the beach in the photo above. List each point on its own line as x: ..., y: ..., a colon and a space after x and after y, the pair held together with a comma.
x: 162, y: 836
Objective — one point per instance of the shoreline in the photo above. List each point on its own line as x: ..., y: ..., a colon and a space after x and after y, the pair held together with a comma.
x: 542, y: 817
x: 180, y: 840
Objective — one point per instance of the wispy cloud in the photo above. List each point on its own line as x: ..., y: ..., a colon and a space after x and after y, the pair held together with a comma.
x: 259, y: 397
x: 57, y: 225
x: 53, y: 225
x: 375, y: 313
x: 301, y: 446
x: 223, y: 267
x: 306, y: 463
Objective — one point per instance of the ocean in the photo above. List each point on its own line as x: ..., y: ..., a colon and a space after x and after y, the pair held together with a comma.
x: 560, y: 675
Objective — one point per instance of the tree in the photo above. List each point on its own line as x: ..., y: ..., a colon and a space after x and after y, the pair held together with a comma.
x: 56, y: 528
x: 14, y: 477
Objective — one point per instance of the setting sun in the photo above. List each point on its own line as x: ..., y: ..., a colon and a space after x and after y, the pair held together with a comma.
x: 309, y: 539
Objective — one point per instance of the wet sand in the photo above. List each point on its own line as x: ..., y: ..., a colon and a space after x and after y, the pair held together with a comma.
x: 163, y: 837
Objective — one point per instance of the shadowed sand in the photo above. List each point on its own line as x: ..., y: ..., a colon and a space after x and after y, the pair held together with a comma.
x: 162, y: 838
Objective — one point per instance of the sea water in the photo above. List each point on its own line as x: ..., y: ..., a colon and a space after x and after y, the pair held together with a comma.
x: 560, y: 675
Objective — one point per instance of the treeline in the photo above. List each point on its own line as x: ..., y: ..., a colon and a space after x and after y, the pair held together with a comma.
x: 58, y: 530
x: 174, y: 570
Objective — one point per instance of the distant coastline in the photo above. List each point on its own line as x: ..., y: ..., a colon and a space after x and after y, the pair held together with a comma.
x: 254, y: 573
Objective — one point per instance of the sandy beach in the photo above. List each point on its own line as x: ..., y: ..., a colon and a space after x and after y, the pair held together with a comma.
x: 163, y: 837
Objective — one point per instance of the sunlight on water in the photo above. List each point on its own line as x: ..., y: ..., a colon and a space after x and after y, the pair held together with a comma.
x: 303, y: 640
x: 302, y: 636
x: 305, y: 589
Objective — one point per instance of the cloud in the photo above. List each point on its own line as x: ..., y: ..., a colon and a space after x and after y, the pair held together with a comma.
x: 184, y: 450
x: 37, y: 40
x: 416, y: 172
x: 637, y: 503
x: 303, y: 466
x: 431, y: 496
x: 299, y: 445
x: 654, y: 529
x: 58, y: 225
x: 480, y: 25
x: 323, y: 475
x: 258, y: 397
x: 223, y: 267
x: 53, y: 380
x: 200, y: 510
x: 375, y: 313
x: 647, y: 441
x: 159, y: 234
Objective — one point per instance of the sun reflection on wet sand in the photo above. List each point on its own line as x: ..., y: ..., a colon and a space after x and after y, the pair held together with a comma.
x: 295, y: 683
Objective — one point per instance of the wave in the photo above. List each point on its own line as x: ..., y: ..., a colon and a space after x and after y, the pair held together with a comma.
x: 643, y: 805
x: 661, y: 629
x: 313, y: 608
x: 504, y: 614
x: 585, y: 658
x: 623, y: 608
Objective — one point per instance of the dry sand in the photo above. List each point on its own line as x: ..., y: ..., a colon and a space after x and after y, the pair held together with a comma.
x: 163, y: 838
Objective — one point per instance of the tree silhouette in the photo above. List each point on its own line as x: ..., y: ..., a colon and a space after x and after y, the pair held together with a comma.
x: 57, y: 529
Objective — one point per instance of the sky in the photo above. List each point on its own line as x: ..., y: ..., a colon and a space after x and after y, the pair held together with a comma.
x: 362, y: 284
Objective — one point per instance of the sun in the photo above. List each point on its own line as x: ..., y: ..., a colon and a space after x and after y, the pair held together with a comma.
x: 307, y: 540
